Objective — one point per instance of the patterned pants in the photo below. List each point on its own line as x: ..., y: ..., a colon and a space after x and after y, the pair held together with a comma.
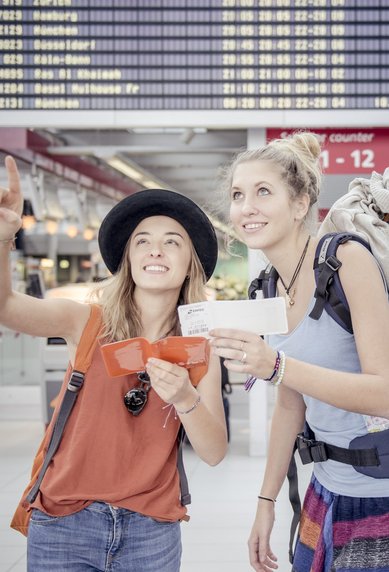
x: 342, y: 534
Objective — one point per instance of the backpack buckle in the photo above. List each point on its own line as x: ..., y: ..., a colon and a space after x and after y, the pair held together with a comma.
x: 310, y: 450
x: 75, y: 382
x: 333, y: 263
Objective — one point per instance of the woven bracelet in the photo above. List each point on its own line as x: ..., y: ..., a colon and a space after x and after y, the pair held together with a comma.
x: 276, y: 367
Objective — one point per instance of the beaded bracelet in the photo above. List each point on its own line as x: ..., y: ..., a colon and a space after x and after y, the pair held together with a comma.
x: 281, y: 370
x: 195, y: 404
x: 11, y: 240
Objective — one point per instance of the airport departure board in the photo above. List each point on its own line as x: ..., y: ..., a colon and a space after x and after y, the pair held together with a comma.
x: 194, y: 55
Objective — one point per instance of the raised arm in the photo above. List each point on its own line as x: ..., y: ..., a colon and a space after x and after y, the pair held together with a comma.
x: 62, y: 318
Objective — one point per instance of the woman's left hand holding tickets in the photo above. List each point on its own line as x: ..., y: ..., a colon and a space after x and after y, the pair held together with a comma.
x: 244, y: 352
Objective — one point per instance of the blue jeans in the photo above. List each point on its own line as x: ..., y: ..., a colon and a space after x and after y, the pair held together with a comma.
x: 102, y: 538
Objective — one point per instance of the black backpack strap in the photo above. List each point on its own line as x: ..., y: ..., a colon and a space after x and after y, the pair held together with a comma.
x: 325, y: 266
x: 74, y: 386
x: 83, y: 358
x: 184, y: 487
x: 295, y: 502
x: 329, y: 293
x: 266, y: 282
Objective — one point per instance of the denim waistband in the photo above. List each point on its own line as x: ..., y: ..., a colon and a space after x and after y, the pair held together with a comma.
x: 101, y: 506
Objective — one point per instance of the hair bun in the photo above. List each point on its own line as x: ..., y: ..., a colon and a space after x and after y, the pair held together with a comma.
x: 308, y: 142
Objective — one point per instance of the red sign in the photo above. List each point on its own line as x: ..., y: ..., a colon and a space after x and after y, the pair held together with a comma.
x: 348, y: 151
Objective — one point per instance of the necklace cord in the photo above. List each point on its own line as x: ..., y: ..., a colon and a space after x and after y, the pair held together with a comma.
x: 297, y: 270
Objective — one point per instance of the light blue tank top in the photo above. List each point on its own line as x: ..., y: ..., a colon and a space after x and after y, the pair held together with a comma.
x: 324, y: 343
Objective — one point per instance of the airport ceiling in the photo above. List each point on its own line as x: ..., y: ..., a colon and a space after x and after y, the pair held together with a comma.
x: 188, y: 160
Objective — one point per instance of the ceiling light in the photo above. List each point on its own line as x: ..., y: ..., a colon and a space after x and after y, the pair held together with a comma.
x: 165, y: 130
x: 89, y: 234
x: 72, y: 230
x: 150, y: 184
x: 136, y: 173
x: 47, y: 263
x: 125, y: 168
x: 51, y: 226
x: 28, y: 219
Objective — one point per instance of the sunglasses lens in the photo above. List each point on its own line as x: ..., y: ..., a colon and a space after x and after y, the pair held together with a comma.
x: 135, y: 400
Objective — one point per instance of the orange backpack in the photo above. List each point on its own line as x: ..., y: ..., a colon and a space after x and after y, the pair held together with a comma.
x: 52, y: 437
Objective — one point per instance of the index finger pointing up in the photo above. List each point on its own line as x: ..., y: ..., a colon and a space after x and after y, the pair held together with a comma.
x: 13, y: 174
x: 12, y: 197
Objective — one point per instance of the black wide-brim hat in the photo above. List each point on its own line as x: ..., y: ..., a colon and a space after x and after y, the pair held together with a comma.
x: 123, y: 218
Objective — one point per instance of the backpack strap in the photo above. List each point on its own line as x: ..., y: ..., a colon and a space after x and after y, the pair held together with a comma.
x: 82, y: 362
x: 184, y: 487
x: 294, y: 499
x: 265, y: 282
x: 329, y: 292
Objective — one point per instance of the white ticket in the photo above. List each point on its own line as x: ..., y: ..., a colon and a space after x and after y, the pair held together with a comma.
x: 264, y: 316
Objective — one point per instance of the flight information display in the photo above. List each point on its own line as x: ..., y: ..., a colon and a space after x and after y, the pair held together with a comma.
x: 194, y: 55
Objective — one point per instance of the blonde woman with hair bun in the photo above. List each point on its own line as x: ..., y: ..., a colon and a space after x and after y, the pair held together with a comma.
x: 332, y: 378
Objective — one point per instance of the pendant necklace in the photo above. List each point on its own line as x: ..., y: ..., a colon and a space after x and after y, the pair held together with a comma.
x: 290, y: 296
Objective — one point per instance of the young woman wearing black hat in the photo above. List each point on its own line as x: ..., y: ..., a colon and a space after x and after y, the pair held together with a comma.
x: 110, y: 499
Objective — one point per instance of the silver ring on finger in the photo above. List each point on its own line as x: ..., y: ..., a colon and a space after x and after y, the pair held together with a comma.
x: 243, y: 358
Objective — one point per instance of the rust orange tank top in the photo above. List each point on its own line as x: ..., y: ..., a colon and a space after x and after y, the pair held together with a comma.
x: 106, y: 454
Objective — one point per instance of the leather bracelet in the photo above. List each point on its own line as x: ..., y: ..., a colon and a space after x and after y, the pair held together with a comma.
x: 195, y: 404
x: 267, y: 498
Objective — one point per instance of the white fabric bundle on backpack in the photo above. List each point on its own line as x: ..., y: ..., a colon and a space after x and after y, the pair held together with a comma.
x: 361, y: 211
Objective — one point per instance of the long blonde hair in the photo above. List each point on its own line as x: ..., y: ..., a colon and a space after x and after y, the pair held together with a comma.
x: 121, y: 316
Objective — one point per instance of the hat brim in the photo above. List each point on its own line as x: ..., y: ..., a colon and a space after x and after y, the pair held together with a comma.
x: 123, y: 218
